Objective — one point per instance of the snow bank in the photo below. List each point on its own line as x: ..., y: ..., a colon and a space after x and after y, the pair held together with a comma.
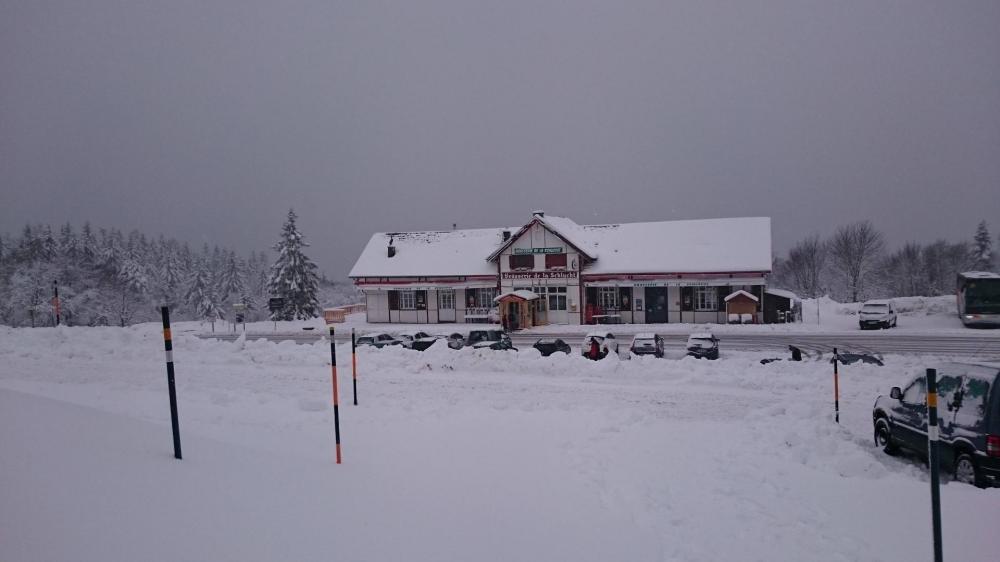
x: 467, y: 455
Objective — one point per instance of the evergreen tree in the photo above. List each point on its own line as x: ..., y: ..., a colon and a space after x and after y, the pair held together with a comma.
x: 200, y: 294
x: 293, y: 275
x: 982, y: 249
x: 232, y: 282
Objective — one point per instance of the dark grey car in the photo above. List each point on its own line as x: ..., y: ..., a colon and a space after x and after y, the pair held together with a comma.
x: 969, y: 425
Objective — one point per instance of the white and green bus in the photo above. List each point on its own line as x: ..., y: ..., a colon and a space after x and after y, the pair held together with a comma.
x: 979, y: 298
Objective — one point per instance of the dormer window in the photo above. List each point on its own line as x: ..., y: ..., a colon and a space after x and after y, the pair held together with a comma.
x: 522, y: 262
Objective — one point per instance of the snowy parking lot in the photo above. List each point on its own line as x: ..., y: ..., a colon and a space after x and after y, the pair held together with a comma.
x: 453, y: 455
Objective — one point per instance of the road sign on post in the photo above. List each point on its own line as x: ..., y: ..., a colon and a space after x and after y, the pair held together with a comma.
x: 275, y: 304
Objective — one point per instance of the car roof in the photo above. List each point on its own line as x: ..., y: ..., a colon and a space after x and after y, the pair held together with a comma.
x: 645, y: 336
x: 877, y: 301
x: 701, y: 336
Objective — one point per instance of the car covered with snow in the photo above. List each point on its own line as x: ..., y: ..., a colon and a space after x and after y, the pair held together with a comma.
x: 606, y: 343
x: 548, y: 346
x: 378, y: 340
x: 877, y: 314
x: 968, y: 420
x: 478, y: 336
x: 703, y: 345
x: 454, y: 341
x: 501, y: 344
x: 647, y: 343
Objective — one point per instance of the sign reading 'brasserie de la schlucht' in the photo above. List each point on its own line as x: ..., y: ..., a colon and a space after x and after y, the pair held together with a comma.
x: 539, y: 275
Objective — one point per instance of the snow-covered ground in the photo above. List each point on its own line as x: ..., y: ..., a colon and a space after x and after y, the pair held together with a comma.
x: 467, y: 455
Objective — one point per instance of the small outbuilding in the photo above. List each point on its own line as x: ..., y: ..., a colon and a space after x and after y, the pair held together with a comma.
x: 781, y: 306
x: 741, y: 307
x: 520, y: 309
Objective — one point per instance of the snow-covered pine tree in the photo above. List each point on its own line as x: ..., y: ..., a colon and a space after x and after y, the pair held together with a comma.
x: 293, y: 275
x: 982, y: 249
x: 200, y: 295
x: 232, y: 279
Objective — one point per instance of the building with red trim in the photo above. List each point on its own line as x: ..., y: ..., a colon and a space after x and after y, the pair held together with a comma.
x: 651, y: 272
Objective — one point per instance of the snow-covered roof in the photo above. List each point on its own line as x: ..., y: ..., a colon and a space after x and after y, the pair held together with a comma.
x: 732, y: 296
x: 685, y: 246
x: 520, y: 293
x: 420, y: 254
x: 782, y: 293
x: 981, y: 275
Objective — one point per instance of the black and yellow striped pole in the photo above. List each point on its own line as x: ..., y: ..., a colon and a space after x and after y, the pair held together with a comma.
x: 836, y: 387
x: 336, y: 399
x: 354, y: 365
x: 935, y: 458
x: 169, y: 347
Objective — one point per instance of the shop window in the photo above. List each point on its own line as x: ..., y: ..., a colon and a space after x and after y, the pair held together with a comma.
x: 687, y: 298
x: 706, y: 299
x: 555, y: 261
x: 393, y: 300
x: 607, y: 298
x: 625, y: 298
x: 482, y: 297
x: 407, y: 300
x: 525, y: 261
x: 420, y: 300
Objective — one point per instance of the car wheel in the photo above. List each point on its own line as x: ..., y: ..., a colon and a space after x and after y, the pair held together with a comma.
x: 883, y: 437
x: 966, y: 470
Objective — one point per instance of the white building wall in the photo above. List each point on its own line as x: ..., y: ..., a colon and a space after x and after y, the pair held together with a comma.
x: 540, y: 237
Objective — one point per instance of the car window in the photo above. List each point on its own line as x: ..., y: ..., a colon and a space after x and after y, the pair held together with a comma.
x: 973, y: 402
x: 916, y: 393
x: 948, y: 387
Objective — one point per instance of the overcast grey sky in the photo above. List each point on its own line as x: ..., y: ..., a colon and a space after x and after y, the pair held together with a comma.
x: 205, y: 120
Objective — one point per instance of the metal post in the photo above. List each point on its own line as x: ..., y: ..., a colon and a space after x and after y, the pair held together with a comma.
x: 354, y: 365
x: 935, y: 459
x: 168, y: 346
x: 336, y: 400
x: 55, y: 299
x: 836, y: 387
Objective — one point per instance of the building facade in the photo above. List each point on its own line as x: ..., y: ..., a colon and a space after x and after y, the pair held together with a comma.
x: 655, y: 272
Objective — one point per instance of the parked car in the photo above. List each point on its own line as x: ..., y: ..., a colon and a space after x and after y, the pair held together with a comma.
x: 503, y: 343
x: 477, y: 336
x: 703, y: 345
x: 606, y: 343
x: 877, y: 314
x: 646, y: 343
x: 968, y: 420
x: 548, y: 346
x: 455, y: 341
x: 378, y: 340
x: 407, y: 339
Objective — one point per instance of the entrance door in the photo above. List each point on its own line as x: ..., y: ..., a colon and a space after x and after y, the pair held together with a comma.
x: 656, y: 305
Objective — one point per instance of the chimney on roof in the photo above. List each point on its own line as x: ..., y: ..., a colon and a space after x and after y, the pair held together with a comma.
x: 392, y: 249
x: 538, y: 213
x: 506, y: 235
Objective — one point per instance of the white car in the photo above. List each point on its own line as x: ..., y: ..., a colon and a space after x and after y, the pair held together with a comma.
x: 605, y: 340
x: 877, y: 314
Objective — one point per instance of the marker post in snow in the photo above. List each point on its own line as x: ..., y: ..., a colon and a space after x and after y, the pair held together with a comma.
x: 354, y: 365
x: 168, y: 347
x: 336, y: 400
x: 836, y: 387
x: 935, y: 459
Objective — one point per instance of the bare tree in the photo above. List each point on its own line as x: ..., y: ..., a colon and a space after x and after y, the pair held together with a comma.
x: 855, y: 250
x: 805, y: 264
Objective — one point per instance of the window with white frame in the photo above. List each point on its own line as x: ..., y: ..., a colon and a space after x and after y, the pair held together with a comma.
x: 484, y: 297
x: 607, y: 298
x: 557, y: 298
x: 706, y: 299
x: 446, y: 299
x: 407, y: 300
